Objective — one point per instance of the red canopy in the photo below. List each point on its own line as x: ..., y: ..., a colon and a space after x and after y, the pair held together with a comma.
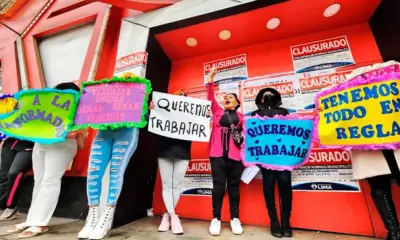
x: 141, y: 5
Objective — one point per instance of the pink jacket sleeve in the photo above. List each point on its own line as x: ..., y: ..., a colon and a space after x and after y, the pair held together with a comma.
x: 211, y: 97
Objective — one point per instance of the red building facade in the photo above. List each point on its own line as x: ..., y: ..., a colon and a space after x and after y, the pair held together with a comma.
x: 44, y: 42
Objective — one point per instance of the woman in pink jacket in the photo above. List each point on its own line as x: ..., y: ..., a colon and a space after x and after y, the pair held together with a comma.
x: 226, y: 165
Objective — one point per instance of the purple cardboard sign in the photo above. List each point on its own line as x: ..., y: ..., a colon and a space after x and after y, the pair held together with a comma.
x: 112, y: 104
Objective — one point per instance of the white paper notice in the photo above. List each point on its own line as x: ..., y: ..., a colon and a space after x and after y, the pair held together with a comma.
x: 249, y: 174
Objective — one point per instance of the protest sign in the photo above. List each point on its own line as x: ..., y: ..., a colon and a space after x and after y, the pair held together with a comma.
x: 43, y: 116
x: 361, y: 113
x: 375, y: 70
x: 279, y: 143
x: 180, y: 117
x: 114, y: 103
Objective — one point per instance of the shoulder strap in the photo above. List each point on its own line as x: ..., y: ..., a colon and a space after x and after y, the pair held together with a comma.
x: 230, y: 120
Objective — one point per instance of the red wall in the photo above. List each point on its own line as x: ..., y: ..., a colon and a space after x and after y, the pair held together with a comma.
x: 334, y: 212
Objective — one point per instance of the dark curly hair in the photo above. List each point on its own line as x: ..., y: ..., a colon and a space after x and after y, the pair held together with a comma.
x: 67, y: 86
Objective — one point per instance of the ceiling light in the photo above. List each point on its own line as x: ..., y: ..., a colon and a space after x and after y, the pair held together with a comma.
x: 273, y: 23
x: 224, y: 35
x: 191, y: 42
x: 332, y: 10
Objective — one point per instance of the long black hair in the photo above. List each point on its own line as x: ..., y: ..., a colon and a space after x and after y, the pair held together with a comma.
x: 67, y: 86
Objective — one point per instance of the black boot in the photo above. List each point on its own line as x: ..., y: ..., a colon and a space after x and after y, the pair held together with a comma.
x: 286, y: 228
x: 276, y: 230
x: 385, y: 205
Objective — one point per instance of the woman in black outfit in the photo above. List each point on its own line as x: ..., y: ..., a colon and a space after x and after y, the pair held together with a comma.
x: 16, y: 161
x: 268, y: 101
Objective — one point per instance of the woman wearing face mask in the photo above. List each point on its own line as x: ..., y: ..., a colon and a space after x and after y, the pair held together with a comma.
x: 173, y: 160
x: 268, y: 101
x: 226, y: 166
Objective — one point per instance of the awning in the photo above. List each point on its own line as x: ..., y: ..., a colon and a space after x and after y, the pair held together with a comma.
x: 141, y: 5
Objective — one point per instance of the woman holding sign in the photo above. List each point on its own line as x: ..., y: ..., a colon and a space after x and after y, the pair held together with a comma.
x: 224, y: 152
x: 49, y: 163
x: 268, y: 101
x: 173, y: 160
x: 378, y: 167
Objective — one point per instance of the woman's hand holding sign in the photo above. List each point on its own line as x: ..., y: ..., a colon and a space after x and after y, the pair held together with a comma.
x: 151, y: 106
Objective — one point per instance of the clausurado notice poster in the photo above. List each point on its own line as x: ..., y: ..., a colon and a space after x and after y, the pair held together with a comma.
x: 312, y: 83
x: 230, y: 69
x: 135, y: 63
x: 327, y: 170
x: 198, y: 179
x: 284, y: 85
x: 320, y: 55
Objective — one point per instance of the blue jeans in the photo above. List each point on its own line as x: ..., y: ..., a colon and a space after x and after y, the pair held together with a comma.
x: 118, y: 147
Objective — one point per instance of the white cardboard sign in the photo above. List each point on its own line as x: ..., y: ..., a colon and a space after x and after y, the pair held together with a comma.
x: 180, y: 117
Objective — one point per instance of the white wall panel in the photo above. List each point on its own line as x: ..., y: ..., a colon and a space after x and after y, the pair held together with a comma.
x: 133, y: 38
x: 64, y: 53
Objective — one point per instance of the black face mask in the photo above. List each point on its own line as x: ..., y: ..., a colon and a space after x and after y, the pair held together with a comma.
x: 270, y: 101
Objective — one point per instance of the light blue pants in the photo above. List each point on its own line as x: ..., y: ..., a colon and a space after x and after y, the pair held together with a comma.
x: 118, y: 147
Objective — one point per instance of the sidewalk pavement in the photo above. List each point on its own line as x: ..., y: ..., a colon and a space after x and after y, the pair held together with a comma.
x: 146, y: 229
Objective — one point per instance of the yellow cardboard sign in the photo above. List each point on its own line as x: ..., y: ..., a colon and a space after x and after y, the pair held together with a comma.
x: 361, y: 113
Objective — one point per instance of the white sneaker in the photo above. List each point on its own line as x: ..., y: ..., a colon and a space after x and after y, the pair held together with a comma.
x: 215, y: 227
x: 8, y: 214
x: 91, y: 221
x: 236, y: 226
x: 104, y: 224
x: 150, y: 212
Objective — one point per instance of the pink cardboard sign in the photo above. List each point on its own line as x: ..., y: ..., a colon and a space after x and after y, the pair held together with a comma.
x: 113, y: 103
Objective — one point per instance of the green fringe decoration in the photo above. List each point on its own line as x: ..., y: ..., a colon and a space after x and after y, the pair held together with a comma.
x: 113, y: 126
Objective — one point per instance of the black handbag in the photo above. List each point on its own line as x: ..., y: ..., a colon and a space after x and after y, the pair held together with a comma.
x: 235, y: 132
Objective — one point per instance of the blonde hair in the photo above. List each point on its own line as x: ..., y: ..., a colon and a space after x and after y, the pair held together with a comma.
x: 177, y: 92
x: 7, y: 105
x: 128, y: 75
